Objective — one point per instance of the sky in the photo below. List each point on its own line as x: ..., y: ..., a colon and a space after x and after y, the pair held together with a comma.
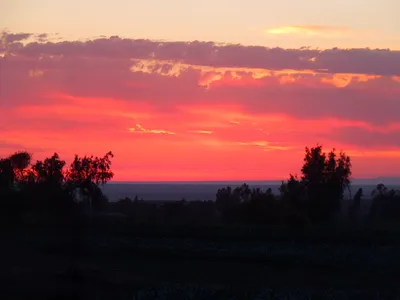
x: 202, y: 90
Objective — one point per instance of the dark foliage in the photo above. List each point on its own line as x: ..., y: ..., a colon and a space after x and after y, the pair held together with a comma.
x: 354, y: 208
x: 315, y: 197
x: 319, y: 191
x: 386, y: 205
x: 46, y: 186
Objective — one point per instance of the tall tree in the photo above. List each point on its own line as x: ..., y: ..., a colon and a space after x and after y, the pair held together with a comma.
x: 322, y: 184
x: 325, y: 176
x: 48, y: 178
x: 7, y: 175
x: 13, y: 168
x: 87, y: 174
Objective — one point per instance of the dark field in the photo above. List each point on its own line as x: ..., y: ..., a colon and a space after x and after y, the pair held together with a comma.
x: 118, y: 261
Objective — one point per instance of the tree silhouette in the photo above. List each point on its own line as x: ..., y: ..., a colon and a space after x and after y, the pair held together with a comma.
x: 242, y: 192
x: 294, y: 202
x: 385, y: 204
x: 262, y: 207
x: 354, y: 208
x: 293, y: 193
x: 324, y: 178
x: 225, y: 201
x: 50, y: 171
x: 87, y: 173
x: 50, y: 186
x: 12, y: 169
x: 228, y: 200
x: 379, y: 190
x: 7, y: 175
x: 316, y: 195
x: 357, y: 197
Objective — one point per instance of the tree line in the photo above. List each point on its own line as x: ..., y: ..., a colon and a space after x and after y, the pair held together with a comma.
x: 314, y: 197
x: 48, y: 186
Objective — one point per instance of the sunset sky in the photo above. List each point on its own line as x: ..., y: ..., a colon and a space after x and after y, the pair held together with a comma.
x: 202, y: 90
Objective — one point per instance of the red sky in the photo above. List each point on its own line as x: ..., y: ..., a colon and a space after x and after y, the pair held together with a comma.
x: 198, y: 111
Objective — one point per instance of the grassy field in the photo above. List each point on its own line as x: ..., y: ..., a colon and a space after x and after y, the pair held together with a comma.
x: 139, y: 264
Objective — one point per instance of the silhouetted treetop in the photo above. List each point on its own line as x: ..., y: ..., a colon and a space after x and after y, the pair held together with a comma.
x: 13, y: 167
x: 385, y: 204
x: 91, y: 169
x: 87, y: 173
x: 51, y: 170
x: 321, y: 186
x: 20, y: 160
x: 48, y: 186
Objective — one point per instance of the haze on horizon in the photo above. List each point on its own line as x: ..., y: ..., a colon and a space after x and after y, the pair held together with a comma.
x: 185, y: 90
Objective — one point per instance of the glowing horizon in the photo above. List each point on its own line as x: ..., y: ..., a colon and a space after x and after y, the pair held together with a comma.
x: 184, y: 111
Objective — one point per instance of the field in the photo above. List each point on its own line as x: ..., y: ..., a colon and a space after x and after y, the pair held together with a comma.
x: 166, y: 263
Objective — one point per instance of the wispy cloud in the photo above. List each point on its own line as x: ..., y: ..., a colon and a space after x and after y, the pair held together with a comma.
x: 308, y: 30
x: 266, y: 146
x: 140, y: 129
x: 201, y: 131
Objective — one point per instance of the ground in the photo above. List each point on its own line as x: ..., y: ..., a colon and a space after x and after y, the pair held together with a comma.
x: 36, y: 264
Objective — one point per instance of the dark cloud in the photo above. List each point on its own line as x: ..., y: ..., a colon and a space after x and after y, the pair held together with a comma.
x: 42, y: 37
x: 367, y: 61
x: 10, y: 38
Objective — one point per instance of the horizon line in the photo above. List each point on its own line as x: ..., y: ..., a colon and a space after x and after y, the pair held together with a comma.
x: 241, y: 181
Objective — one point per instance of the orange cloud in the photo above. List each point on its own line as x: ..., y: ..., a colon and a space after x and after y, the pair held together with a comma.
x: 308, y: 30
x: 233, y: 76
x: 265, y: 145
